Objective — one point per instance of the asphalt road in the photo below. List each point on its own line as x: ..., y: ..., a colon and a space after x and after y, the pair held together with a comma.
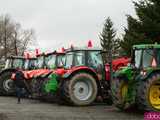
x: 36, y: 110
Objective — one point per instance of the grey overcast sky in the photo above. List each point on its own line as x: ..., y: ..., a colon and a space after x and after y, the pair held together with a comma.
x: 63, y: 22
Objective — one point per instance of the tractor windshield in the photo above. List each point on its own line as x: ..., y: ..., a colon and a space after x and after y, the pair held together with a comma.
x: 144, y: 58
x: 79, y: 58
x: 18, y: 63
x: 26, y: 64
x: 69, y: 60
x: 76, y: 58
x: 50, y: 61
x: 60, y: 60
x: 95, y: 59
x: 29, y: 64
x: 137, y: 60
x: 8, y: 63
x: 40, y: 62
x: 147, y: 58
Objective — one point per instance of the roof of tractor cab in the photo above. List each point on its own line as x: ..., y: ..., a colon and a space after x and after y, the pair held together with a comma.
x: 146, y: 46
x: 83, y: 49
x: 39, y: 55
x: 54, y: 53
x: 33, y: 58
x: 16, y: 57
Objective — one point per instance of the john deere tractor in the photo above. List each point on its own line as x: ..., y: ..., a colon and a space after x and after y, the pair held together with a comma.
x: 13, y: 64
x: 138, y: 84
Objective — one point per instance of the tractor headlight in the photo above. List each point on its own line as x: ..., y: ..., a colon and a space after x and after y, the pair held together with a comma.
x: 143, y: 73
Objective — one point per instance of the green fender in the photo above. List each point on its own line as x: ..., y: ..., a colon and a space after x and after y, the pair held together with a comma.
x: 127, y: 73
x: 124, y: 72
x: 51, y: 85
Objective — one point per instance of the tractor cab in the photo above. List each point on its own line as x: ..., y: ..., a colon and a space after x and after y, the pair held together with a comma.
x: 146, y: 56
x: 15, y: 62
x: 54, y: 60
x: 88, y: 57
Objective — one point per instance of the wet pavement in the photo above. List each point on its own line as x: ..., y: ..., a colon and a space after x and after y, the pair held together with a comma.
x: 37, y: 110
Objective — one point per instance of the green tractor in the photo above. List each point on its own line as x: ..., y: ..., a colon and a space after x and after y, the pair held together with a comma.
x: 138, y: 84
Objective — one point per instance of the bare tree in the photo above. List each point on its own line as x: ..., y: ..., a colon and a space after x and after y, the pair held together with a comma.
x: 13, y: 39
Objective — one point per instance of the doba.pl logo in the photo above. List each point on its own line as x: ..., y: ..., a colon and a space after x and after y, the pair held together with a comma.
x: 152, y: 116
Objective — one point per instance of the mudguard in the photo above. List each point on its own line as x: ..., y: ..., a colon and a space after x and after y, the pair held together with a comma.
x: 6, y: 70
x: 124, y: 72
x: 51, y: 85
x: 76, y: 69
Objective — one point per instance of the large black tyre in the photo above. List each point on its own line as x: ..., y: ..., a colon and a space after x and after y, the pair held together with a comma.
x: 7, y: 86
x: 80, y: 90
x: 148, y: 93
x: 119, y: 89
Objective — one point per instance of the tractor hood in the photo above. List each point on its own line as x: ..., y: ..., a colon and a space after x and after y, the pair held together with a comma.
x: 124, y: 71
x: 42, y: 72
x: 35, y: 73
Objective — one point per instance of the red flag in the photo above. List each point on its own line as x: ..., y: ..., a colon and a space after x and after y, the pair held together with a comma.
x: 154, y: 64
x: 63, y: 50
x: 37, y: 52
x: 89, y: 44
x: 28, y: 55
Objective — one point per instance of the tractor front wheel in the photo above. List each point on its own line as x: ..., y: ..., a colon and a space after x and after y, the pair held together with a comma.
x: 148, y: 94
x: 119, y: 91
x: 80, y: 90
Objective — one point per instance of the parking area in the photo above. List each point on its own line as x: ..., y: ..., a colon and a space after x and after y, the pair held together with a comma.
x: 36, y: 110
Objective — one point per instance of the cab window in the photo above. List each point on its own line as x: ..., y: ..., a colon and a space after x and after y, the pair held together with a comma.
x: 79, y: 58
x: 94, y: 59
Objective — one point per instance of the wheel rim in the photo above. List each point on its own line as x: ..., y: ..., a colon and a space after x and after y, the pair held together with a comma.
x: 124, y: 90
x: 8, y: 85
x: 83, y: 89
x: 154, y: 95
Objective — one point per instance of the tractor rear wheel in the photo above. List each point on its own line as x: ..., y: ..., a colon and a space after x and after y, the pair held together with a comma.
x: 119, y: 89
x: 148, y: 94
x: 7, y: 86
x: 80, y: 90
